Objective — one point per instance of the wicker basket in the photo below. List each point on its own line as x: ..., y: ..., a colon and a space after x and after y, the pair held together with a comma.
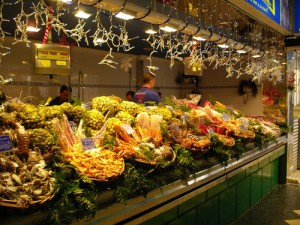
x: 111, y: 178
x: 15, y: 204
x: 154, y: 163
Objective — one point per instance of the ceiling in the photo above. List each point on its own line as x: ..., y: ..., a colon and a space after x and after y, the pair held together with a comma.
x: 210, y: 12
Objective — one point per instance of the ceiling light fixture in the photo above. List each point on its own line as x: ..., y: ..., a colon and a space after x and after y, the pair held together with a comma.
x: 168, y: 29
x: 150, y: 31
x: 32, y: 29
x: 82, y: 15
x: 241, y: 51
x: 100, y: 40
x: 67, y: 1
x: 256, y: 56
x: 125, y: 15
x: 223, y: 46
x: 199, y: 38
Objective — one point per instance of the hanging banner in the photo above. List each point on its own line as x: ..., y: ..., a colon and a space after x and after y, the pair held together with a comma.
x: 275, y: 13
x: 271, y: 8
x: 296, y: 16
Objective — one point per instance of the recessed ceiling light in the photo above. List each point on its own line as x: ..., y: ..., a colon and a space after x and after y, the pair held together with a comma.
x: 256, y: 56
x: 241, y: 51
x: 125, y: 16
x: 223, y: 46
x: 150, y: 31
x: 67, y: 1
x: 32, y: 29
x: 82, y: 15
x: 199, y: 38
x: 168, y: 29
x: 100, y: 40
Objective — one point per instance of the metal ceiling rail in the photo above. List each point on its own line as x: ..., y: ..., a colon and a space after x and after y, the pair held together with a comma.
x: 154, y: 17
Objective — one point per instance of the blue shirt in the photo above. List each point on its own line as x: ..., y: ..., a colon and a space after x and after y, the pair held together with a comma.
x: 146, y: 95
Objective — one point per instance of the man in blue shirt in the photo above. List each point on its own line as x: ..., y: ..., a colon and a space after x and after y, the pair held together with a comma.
x: 146, y: 94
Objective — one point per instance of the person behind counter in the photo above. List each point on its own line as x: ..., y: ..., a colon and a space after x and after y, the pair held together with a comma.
x: 130, y: 95
x: 146, y: 94
x: 64, y: 96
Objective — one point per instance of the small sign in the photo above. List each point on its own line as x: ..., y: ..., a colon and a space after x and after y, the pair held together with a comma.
x: 5, y: 143
x: 61, y: 63
x: 88, y: 143
x: 210, y: 131
x: 170, y: 108
x: 245, y: 122
x: 128, y: 129
x: 242, y: 127
x: 45, y: 63
x: 194, y: 136
x: 87, y: 105
x: 72, y: 125
x: 225, y: 117
x: 175, y: 127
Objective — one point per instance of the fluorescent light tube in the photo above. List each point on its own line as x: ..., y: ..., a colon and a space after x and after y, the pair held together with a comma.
x: 32, y: 29
x: 82, y: 15
x: 168, y: 29
x: 124, y: 16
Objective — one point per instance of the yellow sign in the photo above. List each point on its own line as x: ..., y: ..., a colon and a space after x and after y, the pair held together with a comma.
x: 61, y: 63
x: 52, y: 54
x: 45, y: 63
x: 271, y: 5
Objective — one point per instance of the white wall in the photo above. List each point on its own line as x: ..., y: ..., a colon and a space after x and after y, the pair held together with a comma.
x: 103, y: 80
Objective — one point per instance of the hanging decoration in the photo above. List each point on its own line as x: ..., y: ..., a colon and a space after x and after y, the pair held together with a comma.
x: 218, y: 39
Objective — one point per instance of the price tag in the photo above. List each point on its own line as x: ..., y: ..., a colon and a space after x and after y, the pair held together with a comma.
x: 88, y: 143
x: 87, y: 105
x: 242, y: 127
x: 210, y: 131
x: 194, y: 136
x: 245, y: 122
x: 170, y: 108
x: 128, y: 129
x: 72, y: 125
x: 5, y: 143
x: 225, y: 117
x: 175, y: 127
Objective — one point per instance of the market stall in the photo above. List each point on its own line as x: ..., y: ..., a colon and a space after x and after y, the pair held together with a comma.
x: 104, y: 160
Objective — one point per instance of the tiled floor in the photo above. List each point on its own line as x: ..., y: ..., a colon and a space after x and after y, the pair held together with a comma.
x: 294, y: 177
x: 280, y: 207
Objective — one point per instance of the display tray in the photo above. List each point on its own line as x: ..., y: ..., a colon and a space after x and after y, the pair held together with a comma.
x: 203, y: 180
x: 140, y: 209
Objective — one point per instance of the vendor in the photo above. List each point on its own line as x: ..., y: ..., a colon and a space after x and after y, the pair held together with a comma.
x: 64, y: 96
x: 129, y: 95
x: 146, y: 94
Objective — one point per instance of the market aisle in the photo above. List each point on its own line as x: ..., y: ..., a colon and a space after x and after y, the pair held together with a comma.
x: 294, y: 177
x: 280, y: 207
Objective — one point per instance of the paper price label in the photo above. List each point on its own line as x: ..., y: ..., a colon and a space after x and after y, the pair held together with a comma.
x: 72, y: 125
x: 225, y: 117
x: 5, y: 143
x: 87, y: 105
x: 128, y: 129
x: 88, y: 143
x: 242, y: 127
x: 210, y: 131
x: 194, y: 136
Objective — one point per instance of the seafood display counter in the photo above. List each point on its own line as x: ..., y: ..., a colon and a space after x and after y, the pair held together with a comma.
x: 171, y: 202
x: 140, y: 209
